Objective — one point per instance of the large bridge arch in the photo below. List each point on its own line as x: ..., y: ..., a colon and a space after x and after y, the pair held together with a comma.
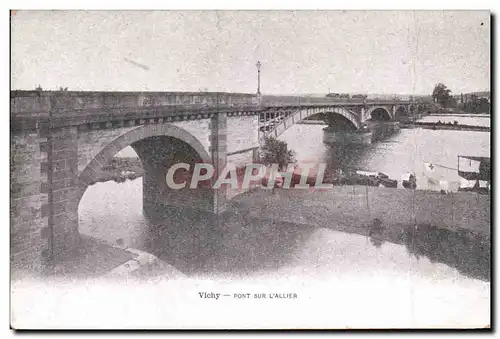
x: 346, y: 122
x: 379, y: 113
x: 294, y: 115
x: 400, y: 111
x: 151, y: 143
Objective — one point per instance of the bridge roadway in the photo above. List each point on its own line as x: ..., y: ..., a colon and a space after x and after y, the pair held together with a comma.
x: 60, y: 139
x: 61, y: 108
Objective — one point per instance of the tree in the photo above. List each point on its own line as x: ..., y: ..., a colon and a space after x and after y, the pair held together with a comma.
x: 452, y: 102
x: 484, y: 106
x: 441, y: 95
x: 476, y: 105
x: 275, y: 151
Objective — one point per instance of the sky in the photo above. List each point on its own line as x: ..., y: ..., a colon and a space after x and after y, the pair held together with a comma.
x: 385, y: 52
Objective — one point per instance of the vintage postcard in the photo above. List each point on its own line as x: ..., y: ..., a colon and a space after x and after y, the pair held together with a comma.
x: 224, y: 169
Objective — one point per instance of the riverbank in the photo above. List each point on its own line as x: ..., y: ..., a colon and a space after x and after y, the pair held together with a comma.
x: 360, y: 205
x: 119, y: 170
x: 443, y: 126
x: 462, y: 115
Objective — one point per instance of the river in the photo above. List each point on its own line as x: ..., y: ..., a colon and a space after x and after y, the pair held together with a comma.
x: 405, y: 151
x: 259, y: 250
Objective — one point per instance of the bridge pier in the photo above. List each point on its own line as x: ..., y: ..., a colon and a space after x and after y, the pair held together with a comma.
x: 27, y: 217
x: 383, y: 129
x: 62, y: 190
x: 44, y: 186
x: 218, y: 150
x: 158, y: 154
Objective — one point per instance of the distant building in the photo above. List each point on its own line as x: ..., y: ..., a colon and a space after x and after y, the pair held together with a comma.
x: 359, y: 96
x: 474, y: 96
x: 338, y: 96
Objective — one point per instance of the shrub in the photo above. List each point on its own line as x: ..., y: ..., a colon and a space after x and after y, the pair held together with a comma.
x: 275, y: 151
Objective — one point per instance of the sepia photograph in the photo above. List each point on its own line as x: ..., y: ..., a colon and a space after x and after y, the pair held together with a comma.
x: 250, y: 169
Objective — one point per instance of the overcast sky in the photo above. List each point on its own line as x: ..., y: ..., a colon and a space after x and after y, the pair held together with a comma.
x: 300, y: 52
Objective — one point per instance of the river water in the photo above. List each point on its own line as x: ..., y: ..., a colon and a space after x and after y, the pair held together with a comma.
x: 262, y: 251
x: 406, y: 151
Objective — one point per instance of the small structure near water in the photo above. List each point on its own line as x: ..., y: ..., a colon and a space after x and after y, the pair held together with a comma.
x: 335, y: 177
x: 475, y: 173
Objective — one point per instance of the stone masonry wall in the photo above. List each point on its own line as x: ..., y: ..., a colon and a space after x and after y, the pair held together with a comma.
x: 27, y: 219
x: 91, y: 142
x: 62, y: 190
x: 200, y: 129
x: 241, y: 159
x: 218, y: 150
x: 242, y: 132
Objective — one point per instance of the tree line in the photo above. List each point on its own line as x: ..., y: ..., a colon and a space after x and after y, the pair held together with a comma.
x: 442, y: 95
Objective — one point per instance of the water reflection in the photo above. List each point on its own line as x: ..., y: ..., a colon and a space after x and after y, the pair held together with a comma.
x: 191, y: 241
x: 467, y: 251
x: 345, y: 157
x: 196, y: 242
x: 375, y: 233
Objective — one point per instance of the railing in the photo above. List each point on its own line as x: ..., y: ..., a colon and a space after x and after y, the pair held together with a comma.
x: 280, y: 100
x: 63, y: 103
x: 278, y: 122
x: 45, y: 103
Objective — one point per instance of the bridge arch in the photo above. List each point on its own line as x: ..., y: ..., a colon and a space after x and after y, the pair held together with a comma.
x: 347, y: 122
x: 149, y: 142
x: 379, y: 113
x: 296, y: 114
x: 400, y: 112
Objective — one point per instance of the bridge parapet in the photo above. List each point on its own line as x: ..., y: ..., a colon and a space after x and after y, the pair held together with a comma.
x: 65, y: 103
x: 283, y: 100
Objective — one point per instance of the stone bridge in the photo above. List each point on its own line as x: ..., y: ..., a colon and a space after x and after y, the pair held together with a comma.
x: 281, y: 112
x: 60, y: 140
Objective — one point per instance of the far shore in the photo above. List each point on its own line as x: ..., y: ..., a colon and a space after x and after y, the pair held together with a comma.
x: 462, y: 115
x: 120, y: 169
x: 444, y: 126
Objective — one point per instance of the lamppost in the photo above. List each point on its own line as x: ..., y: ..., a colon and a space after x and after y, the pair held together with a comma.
x: 258, y: 77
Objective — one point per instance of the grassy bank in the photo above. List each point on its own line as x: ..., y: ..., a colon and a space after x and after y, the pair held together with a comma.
x: 452, y: 229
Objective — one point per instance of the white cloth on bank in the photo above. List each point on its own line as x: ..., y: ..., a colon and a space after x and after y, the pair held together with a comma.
x: 468, y: 165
